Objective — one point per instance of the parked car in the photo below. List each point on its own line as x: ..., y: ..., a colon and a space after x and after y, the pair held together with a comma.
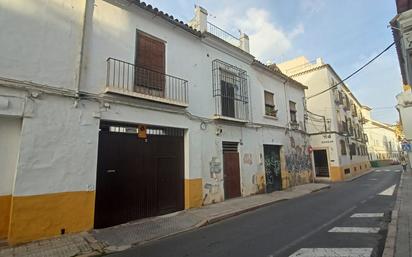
x: 395, y: 162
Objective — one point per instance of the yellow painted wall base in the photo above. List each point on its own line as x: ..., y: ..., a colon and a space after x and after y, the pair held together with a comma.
x: 42, y: 216
x: 290, y: 179
x: 193, y: 193
x: 337, y: 173
x: 5, y: 201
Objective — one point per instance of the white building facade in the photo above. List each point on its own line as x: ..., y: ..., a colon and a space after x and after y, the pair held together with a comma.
x: 402, y: 32
x: 383, y: 145
x: 116, y: 111
x: 334, y: 120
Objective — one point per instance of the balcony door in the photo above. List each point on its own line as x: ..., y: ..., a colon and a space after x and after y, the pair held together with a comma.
x: 150, y: 65
x: 228, y: 94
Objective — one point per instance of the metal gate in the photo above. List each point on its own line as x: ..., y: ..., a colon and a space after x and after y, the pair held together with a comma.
x: 138, y: 178
x: 231, y: 170
x: 272, y: 168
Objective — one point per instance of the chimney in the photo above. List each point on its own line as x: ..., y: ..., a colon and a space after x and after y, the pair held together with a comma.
x: 319, y: 61
x: 199, y: 22
x: 244, y: 42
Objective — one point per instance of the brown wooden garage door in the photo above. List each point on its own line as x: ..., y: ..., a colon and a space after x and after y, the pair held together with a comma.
x: 138, y: 178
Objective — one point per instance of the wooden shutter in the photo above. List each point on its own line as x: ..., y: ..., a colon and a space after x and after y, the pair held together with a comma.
x: 269, y: 99
x: 150, y: 65
x: 150, y: 53
x: 292, y: 106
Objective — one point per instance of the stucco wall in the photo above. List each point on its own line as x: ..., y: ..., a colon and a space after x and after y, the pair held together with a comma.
x: 57, y: 163
x: 40, y: 41
x: 9, y: 150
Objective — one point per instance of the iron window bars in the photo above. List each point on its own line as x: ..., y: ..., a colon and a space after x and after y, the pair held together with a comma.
x: 230, y: 90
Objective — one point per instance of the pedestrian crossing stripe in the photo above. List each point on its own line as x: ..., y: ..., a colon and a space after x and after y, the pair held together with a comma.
x: 333, y: 252
x: 387, y: 170
x: 367, y: 215
x: 354, y: 230
x: 378, y: 170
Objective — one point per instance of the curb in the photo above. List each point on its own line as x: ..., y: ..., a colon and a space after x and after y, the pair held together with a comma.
x: 252, y: 208
x: 360, y: 175
x: 212, y: 220
x: 390, y: 242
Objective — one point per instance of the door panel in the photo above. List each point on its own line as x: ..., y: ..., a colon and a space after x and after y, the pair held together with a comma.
x: 228, y: 99
x: 138, y: 178
x: 272, y: 168
x: 231, y: 171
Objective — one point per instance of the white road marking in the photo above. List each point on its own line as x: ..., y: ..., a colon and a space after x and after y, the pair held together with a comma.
x: 354, y: 230
x: 397, y: 170
x: 333, y: 252
x: 367, y: 215
x: 373, y: 179
x: 388, y: 191
x: 387, y: 170
x: 378, y: 170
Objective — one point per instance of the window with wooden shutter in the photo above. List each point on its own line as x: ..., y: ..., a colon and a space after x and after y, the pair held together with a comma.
x: 270, y: 104
x: 292, y: 109
x: 150, y: 65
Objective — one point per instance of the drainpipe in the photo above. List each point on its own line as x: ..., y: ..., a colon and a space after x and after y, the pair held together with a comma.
x: 88, y: 14
x: 286, y: 104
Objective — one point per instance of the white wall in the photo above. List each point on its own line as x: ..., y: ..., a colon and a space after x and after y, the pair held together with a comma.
x: 58, y: 150
x: 10, y: 128
x: 59, y: 136
x: 40, y: 41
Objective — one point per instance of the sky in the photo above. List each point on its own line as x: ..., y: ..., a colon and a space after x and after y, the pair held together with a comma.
x: 345, y: 34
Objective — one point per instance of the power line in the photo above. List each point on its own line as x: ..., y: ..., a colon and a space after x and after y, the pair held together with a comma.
x: 355, y: 72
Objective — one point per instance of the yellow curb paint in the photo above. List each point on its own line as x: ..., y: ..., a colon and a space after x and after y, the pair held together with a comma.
x: 5, y: 201
x: 44, y: 216
x: 193, y: 193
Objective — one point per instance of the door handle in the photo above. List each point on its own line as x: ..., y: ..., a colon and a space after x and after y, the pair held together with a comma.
x: 110, y: 171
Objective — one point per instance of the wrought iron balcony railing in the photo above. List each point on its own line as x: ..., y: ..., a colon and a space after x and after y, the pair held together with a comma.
x: 220, y: 33
x: 129, y: 79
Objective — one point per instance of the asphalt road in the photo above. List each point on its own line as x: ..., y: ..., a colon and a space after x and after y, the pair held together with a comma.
x: 285, y: 228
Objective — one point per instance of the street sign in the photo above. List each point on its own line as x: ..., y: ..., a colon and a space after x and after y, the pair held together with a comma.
x: 406, y: 147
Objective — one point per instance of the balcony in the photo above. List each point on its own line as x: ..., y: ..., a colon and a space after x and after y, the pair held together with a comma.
x: 220, y: 33
x: 128, y: 79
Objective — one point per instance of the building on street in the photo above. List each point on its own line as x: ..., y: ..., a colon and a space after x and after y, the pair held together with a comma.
x: 112, y: 111
x: 383, y: 145
x: 401, y: 26
x: 334, y: 120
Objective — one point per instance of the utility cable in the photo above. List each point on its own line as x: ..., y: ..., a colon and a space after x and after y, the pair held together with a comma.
x: 354, y: 73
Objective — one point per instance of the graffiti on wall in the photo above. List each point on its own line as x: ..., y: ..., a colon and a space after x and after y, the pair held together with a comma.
x: 297, y: 157
x: 213, y: 189
x: 248, y: 158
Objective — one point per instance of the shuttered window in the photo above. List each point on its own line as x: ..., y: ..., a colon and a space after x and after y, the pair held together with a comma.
x: 150, y: 65
x: 270, y: 104
x: 292, y: 108
x: 342, y: 147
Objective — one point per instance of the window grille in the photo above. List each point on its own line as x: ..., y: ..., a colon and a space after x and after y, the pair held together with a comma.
x: 230, y: 90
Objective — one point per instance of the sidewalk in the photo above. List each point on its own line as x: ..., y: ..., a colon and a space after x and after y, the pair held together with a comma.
x: 403, y: 208
x: 121, y: 237
x: 399, y: 238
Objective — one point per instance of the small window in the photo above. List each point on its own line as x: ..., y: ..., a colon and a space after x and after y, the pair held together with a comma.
x: 270, y: 104
x: 292, y: 109
x: 342, y: 147
x: 352, y: 149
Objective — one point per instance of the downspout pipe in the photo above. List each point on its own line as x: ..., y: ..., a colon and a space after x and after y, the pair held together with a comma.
x: 87, y: 17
